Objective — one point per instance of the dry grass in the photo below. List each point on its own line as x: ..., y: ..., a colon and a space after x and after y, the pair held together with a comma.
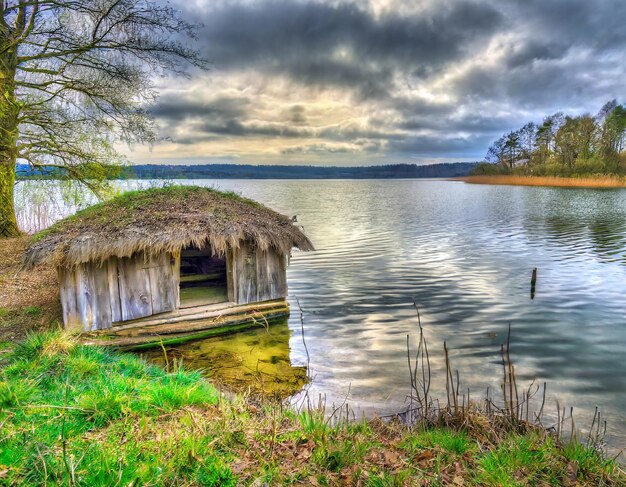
x: 587, y: 182
x: 164, y: 220
x: 29, y: 300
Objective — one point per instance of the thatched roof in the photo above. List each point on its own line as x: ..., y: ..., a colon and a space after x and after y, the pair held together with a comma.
x: 163, y: 219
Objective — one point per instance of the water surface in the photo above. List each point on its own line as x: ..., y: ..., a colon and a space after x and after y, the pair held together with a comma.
x: 464, y: 254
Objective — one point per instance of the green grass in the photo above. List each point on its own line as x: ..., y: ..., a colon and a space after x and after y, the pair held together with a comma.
x: 443, y: 439
x: 77, y: 415
x: 537, y: 457
x: 33, y: 311
x: 57, y: 396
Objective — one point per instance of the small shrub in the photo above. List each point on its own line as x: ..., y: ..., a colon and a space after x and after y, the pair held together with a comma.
x: 58, y: 344
x: 518, y: 454
x: 15, y: 393
x: 387, y: 480
x: 213, y: 473
x: 31, y: 347
x: 169, y: 394
x: 83, y: 366
x: 590, y: 167
x: 443, y: 438
x: 588, y: 460
x: 33, y: 311
x: 101, y: 407
x: 313, y: 423
x: 331, y: 460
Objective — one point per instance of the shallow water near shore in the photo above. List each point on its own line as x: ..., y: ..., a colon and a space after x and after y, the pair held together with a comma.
x: 464, y: 253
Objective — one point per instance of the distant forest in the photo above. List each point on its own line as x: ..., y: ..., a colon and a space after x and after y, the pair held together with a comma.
x: 563, y: 146
x: 236, y: 171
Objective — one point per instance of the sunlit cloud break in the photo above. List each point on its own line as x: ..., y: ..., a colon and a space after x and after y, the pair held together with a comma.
x: 351, y: 83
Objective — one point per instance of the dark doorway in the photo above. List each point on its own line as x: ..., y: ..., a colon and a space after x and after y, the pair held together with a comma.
x: 202, y: 278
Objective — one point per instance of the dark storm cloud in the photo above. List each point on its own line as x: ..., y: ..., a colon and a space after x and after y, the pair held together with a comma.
x: 474, y: 123
x: 427, y: 145
x: 176, y: 108
x: 484, y: 67
x: 316, y: 149
x: 237, y: 128
x: 531, y: 51
x: 225, y: 116
x: 296, y: 114
x: 305, y: 40
x: 230, y: 116
x: 598, y: 25
x: 567, y: 54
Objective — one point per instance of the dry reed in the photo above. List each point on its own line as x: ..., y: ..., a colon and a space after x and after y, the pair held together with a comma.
x: 554, y: 181
x: 490, y: 417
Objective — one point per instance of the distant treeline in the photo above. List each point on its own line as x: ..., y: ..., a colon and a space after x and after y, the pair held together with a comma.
x: 563, y: 146
x: 237, y: 171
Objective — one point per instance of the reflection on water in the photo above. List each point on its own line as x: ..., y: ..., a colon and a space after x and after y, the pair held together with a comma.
x: 465, y: 254
x: 256, y: 360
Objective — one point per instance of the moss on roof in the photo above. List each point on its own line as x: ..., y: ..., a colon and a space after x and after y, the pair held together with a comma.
x: 163, y: 219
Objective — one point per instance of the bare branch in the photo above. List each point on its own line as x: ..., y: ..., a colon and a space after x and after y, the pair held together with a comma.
x: 84, y: 71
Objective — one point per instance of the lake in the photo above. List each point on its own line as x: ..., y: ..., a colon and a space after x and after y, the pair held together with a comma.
x: 464, y: 254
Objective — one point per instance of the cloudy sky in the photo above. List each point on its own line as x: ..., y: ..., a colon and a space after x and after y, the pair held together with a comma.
x: 379, y: 81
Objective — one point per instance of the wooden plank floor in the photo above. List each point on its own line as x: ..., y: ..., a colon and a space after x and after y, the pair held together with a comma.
x: 188, y: 324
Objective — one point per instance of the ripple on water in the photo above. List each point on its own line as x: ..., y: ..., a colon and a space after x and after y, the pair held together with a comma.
x: 464, y: 253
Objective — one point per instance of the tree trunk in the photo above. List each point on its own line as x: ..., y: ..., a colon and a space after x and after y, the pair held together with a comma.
x: 8, y: 223
x: 9, y: 112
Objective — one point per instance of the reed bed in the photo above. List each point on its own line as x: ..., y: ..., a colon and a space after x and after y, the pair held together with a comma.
x: 494, y: 415
x: 554, y: 181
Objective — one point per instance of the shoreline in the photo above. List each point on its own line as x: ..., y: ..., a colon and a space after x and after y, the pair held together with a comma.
x: 103, y: 415
x: 547, y: 181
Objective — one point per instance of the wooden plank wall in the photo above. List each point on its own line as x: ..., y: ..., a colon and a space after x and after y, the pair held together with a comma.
x: 230, y: 276
x: 163, y: 292
x: 114, y: 290
x: 175, y: 263
x: 257, y: 275
x: 277, y: 275
x: 96, y: 296
x: 246, y: 275
x: 134, y: 279
x: 67, y: 286
x: 85, y: 297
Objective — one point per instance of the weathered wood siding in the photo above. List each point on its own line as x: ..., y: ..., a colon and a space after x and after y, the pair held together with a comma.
x: 163, y: 283
x: 245, y: 270
x: 230, y: 276
x: 114, y: 289
x: 257, y: 275
x: 135, y: 293
x: 96, y: 296
x: 85, y: 297
x: 67, y: 287
x: 276, y: 266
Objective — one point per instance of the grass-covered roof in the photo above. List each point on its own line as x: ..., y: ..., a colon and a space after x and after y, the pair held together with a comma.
x: 163, y: 219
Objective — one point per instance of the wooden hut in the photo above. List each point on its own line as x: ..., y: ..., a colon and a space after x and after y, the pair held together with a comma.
x: 169, y: 262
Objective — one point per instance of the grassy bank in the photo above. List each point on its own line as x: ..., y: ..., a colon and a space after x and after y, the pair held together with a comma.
x: 77, y: 415
x: 554, y: 181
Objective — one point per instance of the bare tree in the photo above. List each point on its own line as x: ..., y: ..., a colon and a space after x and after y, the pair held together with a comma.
x: 76, y: 76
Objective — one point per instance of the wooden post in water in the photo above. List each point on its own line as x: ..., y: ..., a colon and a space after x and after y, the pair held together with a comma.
x: 533, y: 281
